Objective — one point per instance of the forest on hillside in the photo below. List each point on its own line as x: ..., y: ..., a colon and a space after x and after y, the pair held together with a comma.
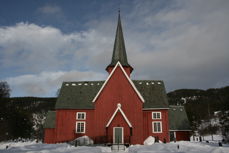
x: 207, y: 110
x: 23, y: 117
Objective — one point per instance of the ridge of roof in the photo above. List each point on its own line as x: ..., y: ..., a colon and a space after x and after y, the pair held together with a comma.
x: 176, y: 106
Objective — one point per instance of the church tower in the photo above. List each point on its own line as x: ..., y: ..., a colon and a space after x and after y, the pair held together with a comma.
x: 119, y: 51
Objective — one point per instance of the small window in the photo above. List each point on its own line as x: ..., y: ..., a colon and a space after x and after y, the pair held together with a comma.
x: 81, y: 115
x: 80, y: 127
x: 157, y: 127
x: 156, y: 115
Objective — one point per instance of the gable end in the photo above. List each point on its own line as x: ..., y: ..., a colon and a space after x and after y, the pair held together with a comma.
x: 132, y: 84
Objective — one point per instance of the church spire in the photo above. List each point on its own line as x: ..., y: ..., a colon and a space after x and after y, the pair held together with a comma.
x: 119, y: 50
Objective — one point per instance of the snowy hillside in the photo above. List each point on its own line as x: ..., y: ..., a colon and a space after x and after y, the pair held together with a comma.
x: 184, y: 147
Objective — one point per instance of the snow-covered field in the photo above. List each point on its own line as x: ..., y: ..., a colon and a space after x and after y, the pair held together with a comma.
x: 184, y: 147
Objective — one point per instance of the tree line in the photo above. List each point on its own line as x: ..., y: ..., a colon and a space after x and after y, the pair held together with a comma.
x: 22, y: 117
x: 207, y: 110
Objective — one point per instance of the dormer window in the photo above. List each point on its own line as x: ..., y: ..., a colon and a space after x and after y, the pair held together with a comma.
x: 81, y: 115
x: 156, y: 115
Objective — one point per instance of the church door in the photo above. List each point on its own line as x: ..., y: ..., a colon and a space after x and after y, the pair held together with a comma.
x: 118, y: 135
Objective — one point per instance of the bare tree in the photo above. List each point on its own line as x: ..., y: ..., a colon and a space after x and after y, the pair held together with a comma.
x: 4, y: 89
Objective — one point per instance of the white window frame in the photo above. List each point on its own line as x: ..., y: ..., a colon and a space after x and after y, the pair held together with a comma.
x: 77, y: 117
x: 160, y: 127
x: 81, y: 122
x: 156, y: 115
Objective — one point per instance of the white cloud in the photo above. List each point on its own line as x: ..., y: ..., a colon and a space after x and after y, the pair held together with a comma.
x: 47, y: 83
x: 29, y: 47
x: 184, y: 43
x: 34, y: 53
x: 188, y: 50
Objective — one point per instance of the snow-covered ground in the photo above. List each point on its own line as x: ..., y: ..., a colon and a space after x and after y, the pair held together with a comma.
x: 184, y: 147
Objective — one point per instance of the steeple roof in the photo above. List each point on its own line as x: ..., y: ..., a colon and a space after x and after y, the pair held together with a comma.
x: 119, y: 51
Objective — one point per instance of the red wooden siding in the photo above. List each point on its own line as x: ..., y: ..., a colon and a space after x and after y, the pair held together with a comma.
x: 119, y: 90
x: 66, y: 124
x: 49, y: 136
x: 182, y: 135
x: 148, y: 128
x: 119, y: 121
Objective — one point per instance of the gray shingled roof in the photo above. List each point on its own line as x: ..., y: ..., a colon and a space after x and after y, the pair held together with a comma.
x: 50, y: 121
x: 178, y: 119
x: 79, y: 95
x: 119, y: 51
x: 153, y: 91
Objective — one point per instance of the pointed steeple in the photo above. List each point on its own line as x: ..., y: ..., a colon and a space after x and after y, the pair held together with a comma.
x: 119, y: 51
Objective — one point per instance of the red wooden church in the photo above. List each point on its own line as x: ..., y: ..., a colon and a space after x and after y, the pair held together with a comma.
x: 117, y: 110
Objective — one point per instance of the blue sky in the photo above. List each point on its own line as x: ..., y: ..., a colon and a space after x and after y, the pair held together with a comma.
x: 46, y: 42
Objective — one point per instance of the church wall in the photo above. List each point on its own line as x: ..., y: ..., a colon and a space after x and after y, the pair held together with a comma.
x: 66, y: 125
x: 119, y: 90
x: 119, y: 121
x: 148, y: 125
x: 49, y: 135
x: 182, y: 135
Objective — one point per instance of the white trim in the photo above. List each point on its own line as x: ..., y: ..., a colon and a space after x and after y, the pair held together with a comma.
x: 132, y: 84
x: 180, y: 130
x: 123, y: 114
x: 84, y: 123
x: 175, y: 134
x: 114, y: 134
x: 81, y: 113
x: 154, y: 108
x: 156, y: 116
x: 160, y: 126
